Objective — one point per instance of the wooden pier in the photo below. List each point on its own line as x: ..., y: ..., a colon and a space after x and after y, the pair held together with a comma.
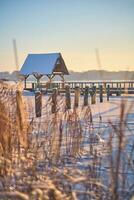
x: 115, y: 87
x: 87, y: 89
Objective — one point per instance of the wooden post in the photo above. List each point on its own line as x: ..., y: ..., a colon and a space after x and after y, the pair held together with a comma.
x: 82, y: 86
x: 76, y: 98
x: 124, y: 86
x: 63, y: 81
x: 118, y: 93
x: 38, y: 83
x: 86, y: 96
x: 68, y: 99
x: 33, y: 86
x: 93, y: 95
x: 108, y: 92
x: 101, y: 93
x: 117, y: 85
x: 104, y: 85
x: 38, y: 103
x: 25, y: 81
x: 54, y: 100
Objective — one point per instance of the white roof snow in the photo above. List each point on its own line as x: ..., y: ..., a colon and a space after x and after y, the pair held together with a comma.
x: 42, y: 64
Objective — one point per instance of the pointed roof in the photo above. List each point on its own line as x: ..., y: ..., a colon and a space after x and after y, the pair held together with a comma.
x: 44, y: 64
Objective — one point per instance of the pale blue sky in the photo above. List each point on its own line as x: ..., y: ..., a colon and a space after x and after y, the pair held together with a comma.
x: 73, y: 27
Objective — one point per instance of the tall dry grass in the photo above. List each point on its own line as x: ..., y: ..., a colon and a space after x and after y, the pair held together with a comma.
x: 39, y: 158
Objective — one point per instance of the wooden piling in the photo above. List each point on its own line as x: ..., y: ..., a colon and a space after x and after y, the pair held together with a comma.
x: 76, y: 97
x: 68, y: 98
x: 108, y: 92
x: 20, y: 110
x: 86, y: 95
x: 101, y: 93
x: 25, y: 82
x: 38, y: 103
x: 54, y: 100
x: 93, y: 95
x: 33, y: 87
x: 118, y: 90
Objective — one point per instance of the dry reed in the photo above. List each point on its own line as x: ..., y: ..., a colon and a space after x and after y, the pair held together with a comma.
x: 39, y: 158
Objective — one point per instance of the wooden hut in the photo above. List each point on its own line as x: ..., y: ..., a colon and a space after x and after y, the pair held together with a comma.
x: 38, y: 65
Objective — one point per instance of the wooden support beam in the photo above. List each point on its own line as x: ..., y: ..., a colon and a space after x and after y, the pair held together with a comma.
x: 63, y: 81
x: 49, y: 76
x: 38, y: 77
x: 33, y: 86
x: 25, y: 81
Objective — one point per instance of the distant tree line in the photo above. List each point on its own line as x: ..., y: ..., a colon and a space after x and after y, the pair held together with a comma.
x: 9, y: 76
x: 101, y: 75
x: 81, y: 76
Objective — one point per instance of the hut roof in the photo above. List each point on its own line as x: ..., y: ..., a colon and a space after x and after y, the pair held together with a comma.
x: 44, y: 64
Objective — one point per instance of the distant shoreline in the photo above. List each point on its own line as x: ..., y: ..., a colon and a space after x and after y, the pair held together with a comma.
x: 91, y: 75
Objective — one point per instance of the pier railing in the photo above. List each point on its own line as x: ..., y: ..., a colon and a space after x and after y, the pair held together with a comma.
x: 89, y: 94
x: 116, y: 87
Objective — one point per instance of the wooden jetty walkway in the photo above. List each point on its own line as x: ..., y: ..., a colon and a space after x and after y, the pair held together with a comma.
x: 87, y: 89
x: 114, y: 87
